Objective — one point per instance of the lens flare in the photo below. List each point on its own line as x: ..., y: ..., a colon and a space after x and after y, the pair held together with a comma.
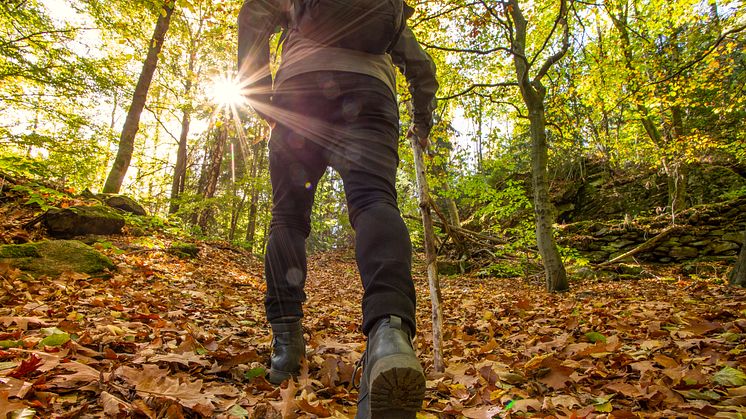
x: 226, y: 91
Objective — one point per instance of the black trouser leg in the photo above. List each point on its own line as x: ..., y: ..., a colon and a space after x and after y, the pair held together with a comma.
x: 348, y: 121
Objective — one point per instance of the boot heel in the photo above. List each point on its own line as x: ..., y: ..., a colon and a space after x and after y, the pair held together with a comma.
x: 276, y: 377
x: 397, y: 387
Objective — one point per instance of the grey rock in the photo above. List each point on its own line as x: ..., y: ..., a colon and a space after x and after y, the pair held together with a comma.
x: 684, y: 252
x: 123, y: 203
x: 733, y: 236
x: 721, y: 248
x: 82, y: 220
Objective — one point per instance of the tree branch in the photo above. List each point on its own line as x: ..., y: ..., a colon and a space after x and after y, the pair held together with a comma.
x: 466, y: 50
x: 565, y: 43
x: 478, y: 85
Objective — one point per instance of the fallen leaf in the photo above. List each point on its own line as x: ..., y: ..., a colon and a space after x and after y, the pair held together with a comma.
x: 27, y: 366
x: 113, y: 406
x: 481, y: 412
x: 7, y: 406
x: 729, y: 377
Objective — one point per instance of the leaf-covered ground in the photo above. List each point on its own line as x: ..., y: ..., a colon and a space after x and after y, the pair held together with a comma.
x: 170, y: 337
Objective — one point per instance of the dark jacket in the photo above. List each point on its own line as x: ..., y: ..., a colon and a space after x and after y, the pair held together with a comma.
x: 259, y: 19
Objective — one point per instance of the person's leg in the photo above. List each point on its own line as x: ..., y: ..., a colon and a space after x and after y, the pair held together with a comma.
x: 367, y: 158
x: 296, y: 164
x: 393, y: 383
x: 295, y: 169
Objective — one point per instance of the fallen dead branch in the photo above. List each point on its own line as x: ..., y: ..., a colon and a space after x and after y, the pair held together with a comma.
x: 645, y: 246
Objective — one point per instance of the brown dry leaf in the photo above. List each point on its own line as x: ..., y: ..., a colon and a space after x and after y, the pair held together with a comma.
x: 185, y: 359
x: 142, y: 408
x: 524, y: 405
x: 481, y: 412
x: 329, y: 368
x: 153, y: 380
x: 308, y: 403
x: 558, y: 374
x: 7, y: 406
x: 23, y: 322
x: 81, y: 375
x: 565, y: 400
x: 287, y: 405
x: 625, y: 389
x: 15, y: 387
x: 113, y: 406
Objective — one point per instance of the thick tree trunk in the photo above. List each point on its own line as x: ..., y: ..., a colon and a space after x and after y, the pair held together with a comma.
x: 432, y: 266
x: 737, y: 276
x: 132, y: 122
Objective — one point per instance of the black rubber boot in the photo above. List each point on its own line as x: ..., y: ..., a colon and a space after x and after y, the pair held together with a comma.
x: 393, y: 384
x: 288, y: 348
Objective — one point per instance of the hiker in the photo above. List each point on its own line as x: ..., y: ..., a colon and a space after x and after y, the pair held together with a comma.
x: 333, y: 103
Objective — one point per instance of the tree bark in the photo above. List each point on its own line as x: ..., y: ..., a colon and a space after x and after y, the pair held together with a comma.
x: 432, y: 266
x: 212, y: 176
x: 533, y: 93
x: 179, y: 179
x: 257, y: 168
x: 131, y: 124
x: 737, y: 276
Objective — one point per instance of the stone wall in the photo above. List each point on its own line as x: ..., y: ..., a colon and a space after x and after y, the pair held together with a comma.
x: 704, y: 231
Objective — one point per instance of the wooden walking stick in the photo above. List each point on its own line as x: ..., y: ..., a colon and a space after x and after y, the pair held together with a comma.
x: 432, y: 267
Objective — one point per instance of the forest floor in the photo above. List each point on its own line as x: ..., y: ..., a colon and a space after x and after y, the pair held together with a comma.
x: 168, y: 337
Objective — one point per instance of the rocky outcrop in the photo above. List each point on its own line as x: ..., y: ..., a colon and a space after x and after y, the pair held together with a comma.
x: 53, y: 257
x: 602, y: 194
x: 705, y: 231
x: 82, y: 220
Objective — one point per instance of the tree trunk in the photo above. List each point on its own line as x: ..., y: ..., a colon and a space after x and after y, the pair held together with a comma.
x: 554, y: 270
x: 179, y: 179
x: 533, y: 93
x: 453, y: 216
x: 737, y: 276
x: 257, y: 168
x: 212, y: 176
x: 131, y: 124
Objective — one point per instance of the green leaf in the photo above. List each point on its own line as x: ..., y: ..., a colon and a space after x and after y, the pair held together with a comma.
x: 604, y: 407
x: 595, y: 337
x: 7, y: 365
x: 730, y: 377
x: 254, y: 372
x: 56, y: 339
x: 48, y: 331
x: 708, y: 395
x: 6, y: 344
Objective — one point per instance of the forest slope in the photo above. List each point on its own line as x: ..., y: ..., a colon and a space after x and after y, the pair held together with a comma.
x: 171, y: 337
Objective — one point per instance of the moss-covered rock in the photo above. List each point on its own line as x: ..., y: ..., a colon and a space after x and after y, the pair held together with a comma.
x: 52, y: 257
x: 184, y: 250
x: 123, y: 203
x: 82, y: 220
x: 27, y: 250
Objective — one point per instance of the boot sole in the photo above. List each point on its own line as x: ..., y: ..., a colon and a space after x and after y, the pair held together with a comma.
x: 397, y: 387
